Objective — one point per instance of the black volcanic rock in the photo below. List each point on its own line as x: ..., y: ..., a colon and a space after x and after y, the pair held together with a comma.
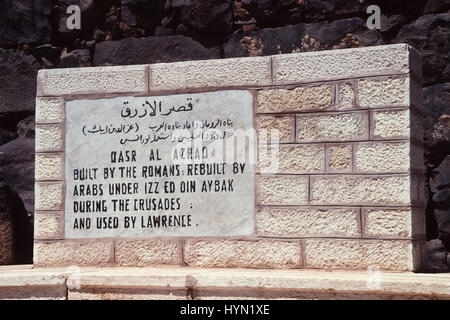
x: 17, y: 163
x: 142, y: 13
x: 302, y: 37
x: 17, y: 82
x: 430, y: 34
x: 436, y: 257
x: 16, y: 230
x: 75, y: 59
x: 151, y: 50
x: 203, y: 16
x: 436, y: 122
x: 24, y: 21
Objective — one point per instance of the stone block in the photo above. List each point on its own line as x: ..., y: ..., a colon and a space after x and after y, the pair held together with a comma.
x: 49, y: 110
x: 238, y: 72
x: 148, y: 252
x: 386, y: 92
x: 282, y: 190
x: 382, y: 157
x: 277, y: 127
x: 93, y: 80
x: 341, y: 64
x: 361, y: 190
x: 49, y: 137
x: 49, y: 196
x: 343, y: 126
x: 48, y: 225
x: 243, y: 253
x: 307, y: 222
x: 359, y: 254
x: 292, y: 158
x: 49, y: 166
x: 68, y: 252
x: 306, y: 98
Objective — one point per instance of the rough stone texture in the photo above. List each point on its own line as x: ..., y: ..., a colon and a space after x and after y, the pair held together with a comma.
x: 16, y: 231
x: 301, y: 37
x: 340, y: 64
x: 436, y: 122
x: 75, y: 59
x: 390, y: 124
x: 25, y: 21
x: 243, y: 253
x: 151, y: 50
x: 143, y: 14
x: 354, y: 190
x: 387, y: 222
x: 203, y: 16
x: 119, y: 79
x: 295, y: 159
x: 147, y: 252
x: 337, y: 127
x: 282, y: 190
x: 359, y: 254
x: 17, y: 167
x: 49, y: 110
x: 439, y: 185
x: 275, y: 127
x: 382, y: 157
x: 210, y: 73
x: 339, y: 158
x: 48, y: 226
x: 307, y: 222
x: 298, y: 99
x: 383, y: 92
x: 49, y: 166
x: 436, y: 257
x: 49, y: 138
x: 17, y: 84
x: 430, y: 33
x: 6, y: 239
x: 66, y: 253
x: 49, y: 196
x: 346, y: 96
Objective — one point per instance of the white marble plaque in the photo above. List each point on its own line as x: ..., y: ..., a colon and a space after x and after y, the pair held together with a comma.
x: 160, y: 166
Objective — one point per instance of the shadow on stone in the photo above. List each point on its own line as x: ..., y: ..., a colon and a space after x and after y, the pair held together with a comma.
x: 16, y: 229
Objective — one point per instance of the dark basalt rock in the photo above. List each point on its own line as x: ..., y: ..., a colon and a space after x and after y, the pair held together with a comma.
x: 76, y: 59
x: 142, y: 13
x: 24, y: 21
x: 302, y: 37
x: 48, y: 52
x: 16, y: 230
x: 436, y: 122
x: 434, y: 6
x: 17, y: 163
x: 17, y: 91
x: 430, y: 34
x: 440, y: 188
x: 17, y: 82
x: 151, y: 50
x: 203, y: 16
x: 436, y: 257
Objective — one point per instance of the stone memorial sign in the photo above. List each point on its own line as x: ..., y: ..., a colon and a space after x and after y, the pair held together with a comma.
x: 155, y: 164
x: 159, y: 166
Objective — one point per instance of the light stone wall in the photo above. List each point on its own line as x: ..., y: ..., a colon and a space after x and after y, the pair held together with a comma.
x: 348, y: 190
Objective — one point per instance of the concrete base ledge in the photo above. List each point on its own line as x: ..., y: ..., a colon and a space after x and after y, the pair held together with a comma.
x: 26, y: 282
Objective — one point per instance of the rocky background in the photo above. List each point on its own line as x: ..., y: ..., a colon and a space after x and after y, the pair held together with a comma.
x: 33, y: 35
